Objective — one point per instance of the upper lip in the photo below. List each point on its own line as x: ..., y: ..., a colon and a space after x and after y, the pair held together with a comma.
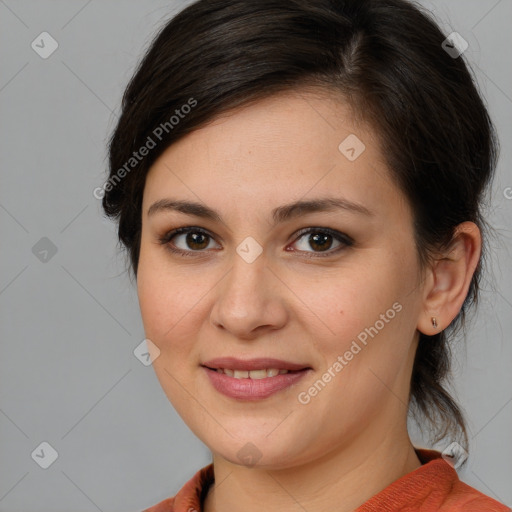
x: 260, y: 363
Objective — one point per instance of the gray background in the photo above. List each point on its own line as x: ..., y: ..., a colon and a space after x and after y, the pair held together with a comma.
x: 68, y: 326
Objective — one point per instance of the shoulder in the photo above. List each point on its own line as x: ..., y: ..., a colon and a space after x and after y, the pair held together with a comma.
x: 453, y: 494
x: 433, y: 487
x: 190, y: 497
x: 465, y: 498
x: 166, y: 505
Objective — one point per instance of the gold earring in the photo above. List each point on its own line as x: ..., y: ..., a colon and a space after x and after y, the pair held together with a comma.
x: 434, y: 322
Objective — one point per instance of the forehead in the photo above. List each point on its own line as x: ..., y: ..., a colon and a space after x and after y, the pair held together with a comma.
x: 285, y: 147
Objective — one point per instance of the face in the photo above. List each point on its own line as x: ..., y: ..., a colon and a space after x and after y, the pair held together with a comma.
x: 332, y: 290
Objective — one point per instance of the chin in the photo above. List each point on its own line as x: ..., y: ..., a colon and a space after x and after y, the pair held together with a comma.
x: 256, y: 452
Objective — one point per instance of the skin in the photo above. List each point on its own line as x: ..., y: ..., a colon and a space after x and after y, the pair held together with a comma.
x: 350, y: 441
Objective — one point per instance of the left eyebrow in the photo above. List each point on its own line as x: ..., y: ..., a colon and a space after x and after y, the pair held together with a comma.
x: 280, y: 214
x: 324, y: 204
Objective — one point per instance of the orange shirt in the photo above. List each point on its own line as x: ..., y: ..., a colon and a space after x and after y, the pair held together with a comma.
x: 433, y: 487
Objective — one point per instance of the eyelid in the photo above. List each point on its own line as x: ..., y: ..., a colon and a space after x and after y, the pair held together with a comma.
x: 338, y: 235
x: 341, y: 237
x: 166, y: 238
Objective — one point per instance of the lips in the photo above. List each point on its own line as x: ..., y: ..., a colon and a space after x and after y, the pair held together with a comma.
x: 253, y: 379
x: 253, y: 388
x: 261, y: 363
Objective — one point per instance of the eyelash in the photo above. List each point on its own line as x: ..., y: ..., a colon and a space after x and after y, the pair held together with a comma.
x: 340, y: 237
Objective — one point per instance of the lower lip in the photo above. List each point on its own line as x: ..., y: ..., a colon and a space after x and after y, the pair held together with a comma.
x: 253, y: 389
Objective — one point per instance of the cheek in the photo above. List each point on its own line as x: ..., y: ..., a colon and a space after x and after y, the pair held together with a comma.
x: 365, y: 305
x: 171, y: 303
x: 168, y: 318
x: 158, y: 295
x: 357, y: 296
x: 164, y: 311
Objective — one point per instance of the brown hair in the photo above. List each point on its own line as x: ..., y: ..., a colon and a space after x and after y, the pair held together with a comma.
x: 386, y: 58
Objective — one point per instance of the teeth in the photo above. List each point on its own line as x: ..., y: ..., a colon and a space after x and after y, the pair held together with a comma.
x: 253, y: 374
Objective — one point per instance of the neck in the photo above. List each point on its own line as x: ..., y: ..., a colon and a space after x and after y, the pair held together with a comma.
x: 341, y: 480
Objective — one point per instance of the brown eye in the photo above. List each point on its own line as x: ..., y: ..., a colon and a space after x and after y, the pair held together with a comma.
x: 321, y: 240
x: 196, y: 240
x: 193, y: 241
x: 186, y: 241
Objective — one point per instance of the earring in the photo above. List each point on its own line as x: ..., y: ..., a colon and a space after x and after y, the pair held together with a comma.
x: 434, y: 322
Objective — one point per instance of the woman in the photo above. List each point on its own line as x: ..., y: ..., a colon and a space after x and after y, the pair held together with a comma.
x: 298, y: 186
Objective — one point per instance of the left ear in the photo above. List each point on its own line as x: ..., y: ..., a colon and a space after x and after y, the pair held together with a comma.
x: 450, y: 278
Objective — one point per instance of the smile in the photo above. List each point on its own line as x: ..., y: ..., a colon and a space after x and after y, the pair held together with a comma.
x: 253, y: 374
x: 253, y: 384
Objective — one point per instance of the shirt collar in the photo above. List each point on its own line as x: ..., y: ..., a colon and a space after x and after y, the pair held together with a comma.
x: 411, y: 487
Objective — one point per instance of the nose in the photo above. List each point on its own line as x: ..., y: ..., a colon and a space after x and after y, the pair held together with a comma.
x: 250, y: 300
